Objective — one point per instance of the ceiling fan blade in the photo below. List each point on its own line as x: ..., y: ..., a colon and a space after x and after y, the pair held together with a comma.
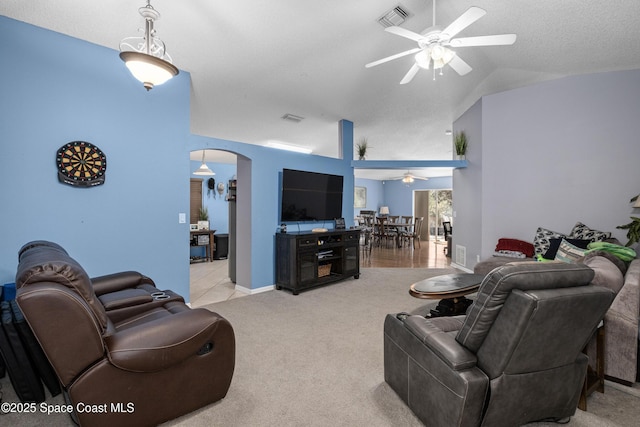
x: 410, y: 74
x: 459, y: 66
x: 392, y: 57
x: 399, y: 31
x: 467, y: 18
x: 495, y: 40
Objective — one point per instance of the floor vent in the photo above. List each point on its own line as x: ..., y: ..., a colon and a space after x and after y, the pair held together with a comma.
x: 461, y: 255
x: 395, y: 16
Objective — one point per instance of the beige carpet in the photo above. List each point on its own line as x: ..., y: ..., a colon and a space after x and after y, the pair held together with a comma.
x: 316, y: 359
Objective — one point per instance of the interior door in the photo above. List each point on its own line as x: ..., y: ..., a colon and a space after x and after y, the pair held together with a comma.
x: 195, y: 200
x: 421, y: 209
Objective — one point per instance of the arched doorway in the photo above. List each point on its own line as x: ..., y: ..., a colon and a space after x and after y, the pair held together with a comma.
x: 214, y: 280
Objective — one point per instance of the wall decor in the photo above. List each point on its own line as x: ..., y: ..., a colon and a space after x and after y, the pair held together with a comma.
x: 81, y: 164
x: 360, y: 197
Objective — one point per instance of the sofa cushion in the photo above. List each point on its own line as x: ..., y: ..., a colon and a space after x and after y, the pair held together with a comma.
x: 541, y: 241
x: 622, y: 266
x: 581, y: 231
x: 607, y: 274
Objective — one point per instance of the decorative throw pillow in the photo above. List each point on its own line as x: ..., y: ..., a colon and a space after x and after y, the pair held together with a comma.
x: 516, y: 245
x: 554, y: 244
x: 569, y: 253
x: 541, y: 240
x: 581, y: 231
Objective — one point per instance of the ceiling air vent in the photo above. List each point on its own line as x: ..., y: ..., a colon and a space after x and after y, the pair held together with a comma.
x: 292, y: 118
x: 395, y: 16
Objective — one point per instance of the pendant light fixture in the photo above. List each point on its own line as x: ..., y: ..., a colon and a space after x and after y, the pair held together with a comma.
x: 204, y: 169
x: 146, y: 57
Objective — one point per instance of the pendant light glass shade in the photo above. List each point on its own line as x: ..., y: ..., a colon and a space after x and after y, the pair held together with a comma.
x: 149, y: 70
x: 146, y: 57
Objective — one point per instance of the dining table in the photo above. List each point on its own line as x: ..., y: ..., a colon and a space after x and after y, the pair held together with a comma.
x: 400, y: 228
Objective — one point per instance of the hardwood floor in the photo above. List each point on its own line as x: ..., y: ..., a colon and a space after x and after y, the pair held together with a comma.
x: 429, y: 255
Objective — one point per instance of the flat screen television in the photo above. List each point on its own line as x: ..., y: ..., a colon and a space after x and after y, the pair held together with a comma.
x: 310, y: 196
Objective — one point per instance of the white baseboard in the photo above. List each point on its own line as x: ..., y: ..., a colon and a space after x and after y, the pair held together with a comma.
x: 459, y: 267
x: 254, y: 291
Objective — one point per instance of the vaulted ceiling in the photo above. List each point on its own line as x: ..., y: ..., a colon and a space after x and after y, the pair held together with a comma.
x: 252, y: 62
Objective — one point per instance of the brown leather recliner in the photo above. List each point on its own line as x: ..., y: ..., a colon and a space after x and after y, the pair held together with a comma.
x: 144, y: 362
x: 515, y: 357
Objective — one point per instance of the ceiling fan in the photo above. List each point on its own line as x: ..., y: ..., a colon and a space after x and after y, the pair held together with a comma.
x: 409, y: 178
x: 433, y: 44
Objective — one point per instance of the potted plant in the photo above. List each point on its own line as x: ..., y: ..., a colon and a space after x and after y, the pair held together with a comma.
x: 633, y: 228
x: 460, y: 142
x: 203, y: 218
x: 361, y: 148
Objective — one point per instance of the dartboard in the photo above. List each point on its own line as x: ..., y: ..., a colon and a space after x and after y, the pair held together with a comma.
x: 81, y: 164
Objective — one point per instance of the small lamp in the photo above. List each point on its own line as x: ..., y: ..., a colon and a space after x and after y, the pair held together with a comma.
x: 384, y: 210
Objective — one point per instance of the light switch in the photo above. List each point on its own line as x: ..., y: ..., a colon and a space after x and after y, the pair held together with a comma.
x: 182, y: 218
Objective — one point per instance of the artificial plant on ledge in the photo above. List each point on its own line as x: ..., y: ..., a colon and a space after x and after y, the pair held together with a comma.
x: 361, y: 148
x: 460, y: 142
x: 633, y: 228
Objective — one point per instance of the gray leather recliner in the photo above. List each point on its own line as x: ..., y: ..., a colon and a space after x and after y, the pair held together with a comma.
x: 515, y: 357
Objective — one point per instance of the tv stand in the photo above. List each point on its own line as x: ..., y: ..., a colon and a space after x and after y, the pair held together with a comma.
x: 308, y: 259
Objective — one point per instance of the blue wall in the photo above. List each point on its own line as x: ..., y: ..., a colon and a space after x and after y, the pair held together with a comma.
x: 56, y: 89
x: 259, y: 199
x: 216, y: 204
x: 60, y: 89
x: 375, y: 195
x: 397, y: 195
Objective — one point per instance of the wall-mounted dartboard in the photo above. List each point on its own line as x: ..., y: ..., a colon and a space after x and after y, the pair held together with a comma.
x: 81, y: 164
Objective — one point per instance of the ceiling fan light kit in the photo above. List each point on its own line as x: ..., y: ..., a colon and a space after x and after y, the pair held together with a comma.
x: 433, y: 50
x: 146, y: 57
x: 409, y: 178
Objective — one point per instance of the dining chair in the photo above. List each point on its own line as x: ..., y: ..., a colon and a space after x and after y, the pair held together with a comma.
x: 383, y: 230
x: 414, y: 234
x: 393, y: 218
x: 404, y: 232
x: 448, y: 231
x: 366, y: 237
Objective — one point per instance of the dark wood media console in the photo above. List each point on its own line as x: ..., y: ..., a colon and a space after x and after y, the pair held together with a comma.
x: 305, y: 259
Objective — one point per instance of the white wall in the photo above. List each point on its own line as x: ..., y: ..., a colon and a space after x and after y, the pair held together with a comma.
x: 553, y: 154
x: 467, y: 189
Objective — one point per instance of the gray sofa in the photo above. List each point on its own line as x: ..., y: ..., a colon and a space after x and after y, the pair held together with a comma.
x: 621, y: 320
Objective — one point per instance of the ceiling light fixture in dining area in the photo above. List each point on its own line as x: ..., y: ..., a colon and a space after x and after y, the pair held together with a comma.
x: 146, y: 57
x: 204, y: 169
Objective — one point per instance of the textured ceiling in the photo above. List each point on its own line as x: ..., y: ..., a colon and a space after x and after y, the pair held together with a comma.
x: 251, y: 62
